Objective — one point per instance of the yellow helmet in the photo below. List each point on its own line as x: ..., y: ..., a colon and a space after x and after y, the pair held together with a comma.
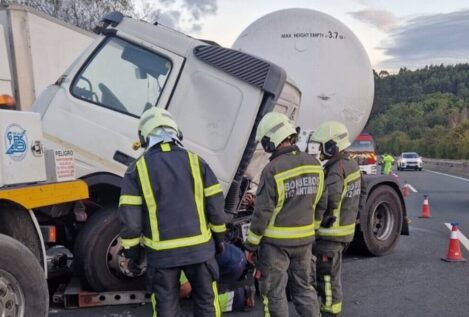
x: 273, y: 129
x: 333, y: 137
x: 154, y: 118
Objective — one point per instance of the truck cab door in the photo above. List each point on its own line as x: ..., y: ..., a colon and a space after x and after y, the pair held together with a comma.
x: 103, y: 100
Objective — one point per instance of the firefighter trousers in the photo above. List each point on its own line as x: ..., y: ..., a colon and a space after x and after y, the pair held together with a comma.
x: 281, y: 265
x: 328, y: 263
x: 164, y: 287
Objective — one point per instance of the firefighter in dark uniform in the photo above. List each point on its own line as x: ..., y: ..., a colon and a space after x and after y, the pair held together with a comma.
x: 172, y: 203
x: 282, y: 227
x: 337, y: 221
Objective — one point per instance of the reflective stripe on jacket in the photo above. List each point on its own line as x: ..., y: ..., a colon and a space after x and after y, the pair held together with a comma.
x: 343, y: 181
x: 291, y: 186
x: 172, y: 202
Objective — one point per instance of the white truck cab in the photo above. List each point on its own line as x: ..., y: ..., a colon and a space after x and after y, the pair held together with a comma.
x: 215, y: 94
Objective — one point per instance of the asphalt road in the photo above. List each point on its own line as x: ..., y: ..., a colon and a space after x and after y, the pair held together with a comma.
x: 412, y: 281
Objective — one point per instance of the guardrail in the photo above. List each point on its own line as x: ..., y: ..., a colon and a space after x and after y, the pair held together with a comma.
x: 454, y: 167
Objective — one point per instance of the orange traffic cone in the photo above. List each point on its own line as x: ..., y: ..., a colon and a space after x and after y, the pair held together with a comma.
x: 454, y: 251
x: 425, y: 208
x: 405, y: 190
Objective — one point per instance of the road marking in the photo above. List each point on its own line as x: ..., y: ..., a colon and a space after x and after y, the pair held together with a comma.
x: 462, y: 238
x: 457, y: 177
x: 412, y: 188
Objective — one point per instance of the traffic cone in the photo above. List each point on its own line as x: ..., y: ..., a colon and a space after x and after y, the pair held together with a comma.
x: 425, y: 208
x: 454, y: 251
x: 405, y: 190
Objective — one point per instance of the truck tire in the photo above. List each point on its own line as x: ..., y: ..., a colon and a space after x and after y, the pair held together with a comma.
x: 380, y: 223
x: 95, y: 255
x: 23, y: 286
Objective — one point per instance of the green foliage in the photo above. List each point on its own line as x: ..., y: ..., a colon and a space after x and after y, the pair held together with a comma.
x: 85, y: 14
x: 426, y: 110
x: 410, y: 85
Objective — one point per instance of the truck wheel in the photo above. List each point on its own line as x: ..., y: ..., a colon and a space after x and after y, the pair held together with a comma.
x: 23, y: 286
x: 381, y: 222
x: 96, y: 255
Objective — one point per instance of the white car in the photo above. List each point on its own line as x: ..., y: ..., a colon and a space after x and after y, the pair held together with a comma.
x: 409, y: 160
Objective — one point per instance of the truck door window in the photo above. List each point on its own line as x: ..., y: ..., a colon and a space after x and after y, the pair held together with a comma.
x: 123, y: 77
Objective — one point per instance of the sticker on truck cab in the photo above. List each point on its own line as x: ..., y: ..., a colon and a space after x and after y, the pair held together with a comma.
x: 15, y: 142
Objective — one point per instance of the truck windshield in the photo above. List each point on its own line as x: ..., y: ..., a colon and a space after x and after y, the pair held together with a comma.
x: 123, y: 77
x: 361, y: 146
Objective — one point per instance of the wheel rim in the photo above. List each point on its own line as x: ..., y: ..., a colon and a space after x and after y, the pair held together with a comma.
x: 11, y: 296
x: 113, y: 257
x: 383, y: 221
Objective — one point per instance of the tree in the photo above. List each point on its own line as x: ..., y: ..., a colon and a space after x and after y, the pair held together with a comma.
x: 433, y: 125
x: 463, y: 91
x: 424, y: 110
x: 383, y: 74
x: 182, y: 15
x: 85, y: 14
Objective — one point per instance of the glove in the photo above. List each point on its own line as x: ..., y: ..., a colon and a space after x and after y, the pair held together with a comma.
x: 131, y: 253
x: 134, y: 268
x: 328, y: 221
x: 219, y: 248
x: 129, y: 262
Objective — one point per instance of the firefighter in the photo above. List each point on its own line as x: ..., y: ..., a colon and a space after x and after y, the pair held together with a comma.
x: 172, y: 202
x: 337, y: 221
x: 388, y: 161
x: 282, y: 228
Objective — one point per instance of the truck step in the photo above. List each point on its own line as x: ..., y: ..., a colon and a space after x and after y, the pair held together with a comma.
x: 73, y: 296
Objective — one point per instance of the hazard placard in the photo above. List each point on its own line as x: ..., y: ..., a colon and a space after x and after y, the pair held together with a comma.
x: 60, y: 165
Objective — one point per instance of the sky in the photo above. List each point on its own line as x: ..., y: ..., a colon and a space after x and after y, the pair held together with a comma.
x: 395, y: 33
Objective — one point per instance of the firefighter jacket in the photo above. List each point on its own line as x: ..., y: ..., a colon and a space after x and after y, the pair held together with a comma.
x: 172, y: 202
x: 290, y: 187
x: 343, y: 182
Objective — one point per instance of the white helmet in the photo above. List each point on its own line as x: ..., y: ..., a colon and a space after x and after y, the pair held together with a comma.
x: 152, y: 119
x: 273, y: 129
x: 333, y: 137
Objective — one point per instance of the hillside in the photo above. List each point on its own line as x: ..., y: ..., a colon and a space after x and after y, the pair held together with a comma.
x: 426, y: 110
